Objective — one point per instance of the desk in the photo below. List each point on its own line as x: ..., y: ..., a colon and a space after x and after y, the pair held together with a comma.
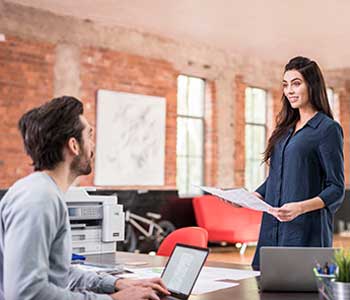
x: 247, y: 289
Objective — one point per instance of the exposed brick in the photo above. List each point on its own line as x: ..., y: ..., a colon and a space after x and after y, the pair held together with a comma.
x: 239, y: 153
x: 210, y: 149
x: 26, y: 80
x: 344, y: 118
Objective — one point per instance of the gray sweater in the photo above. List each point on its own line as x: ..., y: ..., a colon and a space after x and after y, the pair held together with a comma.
x: 35, y: 246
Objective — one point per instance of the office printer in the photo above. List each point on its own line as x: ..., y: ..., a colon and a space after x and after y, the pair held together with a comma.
x: 97, y: 222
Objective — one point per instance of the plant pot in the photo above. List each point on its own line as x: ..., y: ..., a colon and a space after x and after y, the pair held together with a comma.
x: 341, y: 290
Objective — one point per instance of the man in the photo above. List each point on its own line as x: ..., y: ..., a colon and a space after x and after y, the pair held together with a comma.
x: 35, y: 237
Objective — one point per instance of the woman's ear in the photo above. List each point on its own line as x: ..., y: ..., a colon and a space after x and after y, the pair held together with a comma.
x: 73, y: 146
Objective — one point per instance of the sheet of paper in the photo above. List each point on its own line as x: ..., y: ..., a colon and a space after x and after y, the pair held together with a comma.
x: 207, y: 273
x: 144, y: 273
x: 99, y: 268
x: 238, y: 196
x: 207, y: 286
x: 211, y: 273
x: 209, y: 280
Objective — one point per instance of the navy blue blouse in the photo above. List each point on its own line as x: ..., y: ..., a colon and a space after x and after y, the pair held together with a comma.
x: 307, y: 164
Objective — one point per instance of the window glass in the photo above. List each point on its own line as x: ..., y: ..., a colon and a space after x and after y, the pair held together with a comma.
x: 255, y: 136
x: 190, y: 135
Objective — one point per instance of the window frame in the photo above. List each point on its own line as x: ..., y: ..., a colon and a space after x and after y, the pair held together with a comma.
x: 255, y: 124
x: 188, y: 156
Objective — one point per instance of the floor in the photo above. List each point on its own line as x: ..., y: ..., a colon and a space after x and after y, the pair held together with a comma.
x: 231, y: 254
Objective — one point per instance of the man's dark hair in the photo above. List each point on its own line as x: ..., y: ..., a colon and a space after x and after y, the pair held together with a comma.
x: 46, y: 130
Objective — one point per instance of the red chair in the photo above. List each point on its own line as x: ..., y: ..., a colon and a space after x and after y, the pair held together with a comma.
x: 194, y: 236
x: 226, y: 223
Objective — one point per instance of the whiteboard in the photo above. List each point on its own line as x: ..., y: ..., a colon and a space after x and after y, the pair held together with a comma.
x: 130, y: 139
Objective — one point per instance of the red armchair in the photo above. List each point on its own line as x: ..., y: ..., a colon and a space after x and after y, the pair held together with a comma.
x: 226, y: 223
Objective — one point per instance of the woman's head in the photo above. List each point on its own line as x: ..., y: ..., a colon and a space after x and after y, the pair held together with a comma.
x: 303, y: 87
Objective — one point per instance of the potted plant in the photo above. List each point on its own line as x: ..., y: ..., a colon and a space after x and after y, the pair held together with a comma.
x: 341, y: 284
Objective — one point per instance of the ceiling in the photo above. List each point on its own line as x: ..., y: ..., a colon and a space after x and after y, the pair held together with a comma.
x: 274, y: 30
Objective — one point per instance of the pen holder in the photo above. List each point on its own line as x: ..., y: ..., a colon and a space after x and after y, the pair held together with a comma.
x: 324, y: 285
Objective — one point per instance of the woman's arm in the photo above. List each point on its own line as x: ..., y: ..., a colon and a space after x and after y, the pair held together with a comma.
x: 290, y: 211
x: 332, y: 162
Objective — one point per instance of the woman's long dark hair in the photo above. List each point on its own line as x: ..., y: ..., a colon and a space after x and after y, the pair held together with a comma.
x: 288, y: 116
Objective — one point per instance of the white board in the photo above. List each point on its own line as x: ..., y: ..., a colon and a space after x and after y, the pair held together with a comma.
x: 130, y: 139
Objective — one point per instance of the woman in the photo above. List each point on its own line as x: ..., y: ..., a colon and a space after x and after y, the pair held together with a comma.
x: 305, y: 185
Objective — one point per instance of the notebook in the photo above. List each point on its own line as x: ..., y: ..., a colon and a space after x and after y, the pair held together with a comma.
x: 182, y: 270
x: 289, y: 269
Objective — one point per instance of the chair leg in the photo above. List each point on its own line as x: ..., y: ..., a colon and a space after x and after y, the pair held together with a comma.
x: 243, y: 248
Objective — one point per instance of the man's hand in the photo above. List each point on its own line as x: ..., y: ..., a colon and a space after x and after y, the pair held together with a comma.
x: 156, y: 284
x: 135, y: 293
x: 287, y: 212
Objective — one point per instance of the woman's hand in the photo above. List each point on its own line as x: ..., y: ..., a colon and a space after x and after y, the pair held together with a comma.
x: 287, y: 212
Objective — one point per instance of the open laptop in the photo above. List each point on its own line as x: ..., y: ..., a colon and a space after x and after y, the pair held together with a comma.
x: 289, y: 269
x: 182, y: 270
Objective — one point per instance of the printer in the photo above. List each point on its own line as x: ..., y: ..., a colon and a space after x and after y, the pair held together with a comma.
x: 97, y: 222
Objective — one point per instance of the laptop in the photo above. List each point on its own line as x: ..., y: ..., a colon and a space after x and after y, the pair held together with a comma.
x: 289, y: 269
x: 182, y: 270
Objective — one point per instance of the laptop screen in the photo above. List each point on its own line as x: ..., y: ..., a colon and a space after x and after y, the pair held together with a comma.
x: 183, y: 268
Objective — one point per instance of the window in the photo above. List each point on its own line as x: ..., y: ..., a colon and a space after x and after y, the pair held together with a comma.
x: 190, y: 134
x: 330, y: 95
x: 255, y: 136
x: 333, y: 103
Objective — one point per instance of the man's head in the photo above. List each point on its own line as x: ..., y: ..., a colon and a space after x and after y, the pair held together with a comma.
x: 55, y: 131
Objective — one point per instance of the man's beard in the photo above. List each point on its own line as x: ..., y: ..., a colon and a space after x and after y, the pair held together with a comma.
x: 81, y: 164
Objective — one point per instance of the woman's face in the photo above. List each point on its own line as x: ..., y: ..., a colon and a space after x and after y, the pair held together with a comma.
x: 295, y: 89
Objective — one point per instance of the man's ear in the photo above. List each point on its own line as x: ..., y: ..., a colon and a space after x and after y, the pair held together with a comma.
x: 73, y: 146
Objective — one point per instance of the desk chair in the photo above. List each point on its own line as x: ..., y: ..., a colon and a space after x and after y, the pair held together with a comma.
x: 194, y: 236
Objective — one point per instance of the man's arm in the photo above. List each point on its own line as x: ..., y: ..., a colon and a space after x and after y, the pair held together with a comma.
x: 28, y: 235
x: 83, y: 280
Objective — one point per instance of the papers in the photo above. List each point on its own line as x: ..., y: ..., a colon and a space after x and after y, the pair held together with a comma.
x: 202, y: 286
x: 144, y: 273
x: 210, y: 273
x: 99, y: 268
x: 239, y: 196
x: 210, y: 279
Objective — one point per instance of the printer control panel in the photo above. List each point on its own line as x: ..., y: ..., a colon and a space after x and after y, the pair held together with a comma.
x: 85, y: 212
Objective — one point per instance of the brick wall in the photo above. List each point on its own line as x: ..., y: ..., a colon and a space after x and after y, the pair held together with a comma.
x: 211, y: 136
x: 344, y: 118
x: 26, y: 80
x: 239, y: 125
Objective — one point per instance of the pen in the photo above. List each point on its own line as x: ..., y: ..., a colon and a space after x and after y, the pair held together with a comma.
x: 332, y: 268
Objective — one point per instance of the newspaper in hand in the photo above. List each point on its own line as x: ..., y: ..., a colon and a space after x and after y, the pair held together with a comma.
x: 238, y: 196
